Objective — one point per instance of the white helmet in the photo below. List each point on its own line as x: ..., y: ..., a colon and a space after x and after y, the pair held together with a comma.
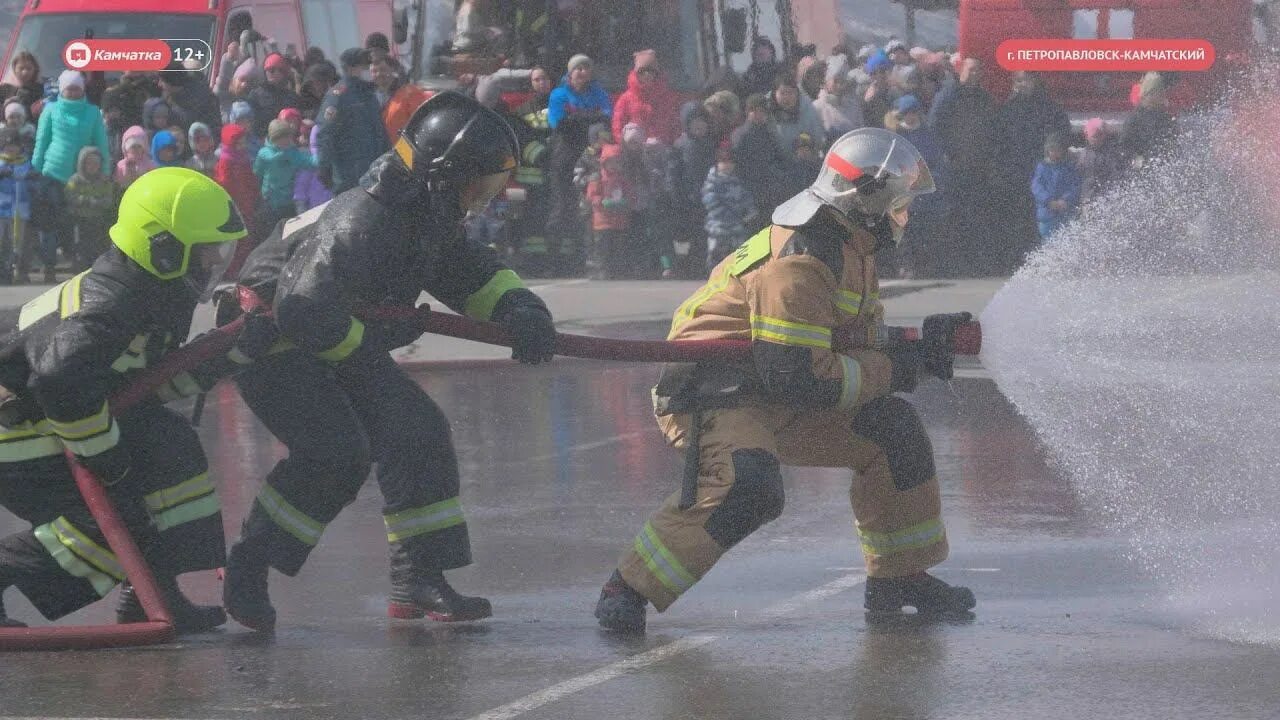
x: 868, y: 174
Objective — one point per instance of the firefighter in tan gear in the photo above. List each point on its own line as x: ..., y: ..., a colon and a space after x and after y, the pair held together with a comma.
x: 817, y: 392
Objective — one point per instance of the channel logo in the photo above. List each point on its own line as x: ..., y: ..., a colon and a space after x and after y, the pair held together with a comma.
x: 77, y: 55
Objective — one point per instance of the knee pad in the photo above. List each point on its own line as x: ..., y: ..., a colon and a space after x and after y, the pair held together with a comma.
x: 755, y: 498
x: 893, y: 425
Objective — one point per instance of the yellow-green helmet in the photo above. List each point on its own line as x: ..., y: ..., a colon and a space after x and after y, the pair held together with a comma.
x: 168, y: 211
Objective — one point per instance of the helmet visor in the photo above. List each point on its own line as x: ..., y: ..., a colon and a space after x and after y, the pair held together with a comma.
x: 477, y: 194
x: 209, y: 261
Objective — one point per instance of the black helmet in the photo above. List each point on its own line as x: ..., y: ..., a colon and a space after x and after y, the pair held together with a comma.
x: 452, y: 140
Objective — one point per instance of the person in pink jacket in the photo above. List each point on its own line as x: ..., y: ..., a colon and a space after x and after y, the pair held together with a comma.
x: 648, y: 101
x: 137, y: 159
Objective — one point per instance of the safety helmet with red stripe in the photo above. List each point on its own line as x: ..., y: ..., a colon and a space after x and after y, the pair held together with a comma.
x: 868, y: 176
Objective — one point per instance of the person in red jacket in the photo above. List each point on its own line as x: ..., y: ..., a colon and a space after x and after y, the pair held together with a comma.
x: 234, y: 172
x: 648, y: 101
x: 613, y: 199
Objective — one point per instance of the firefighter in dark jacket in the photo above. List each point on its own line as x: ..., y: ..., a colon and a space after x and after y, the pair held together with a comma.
x: 817, y: 392
x: 351, y: 134
x: 69, y: 349
x: 338, y: 401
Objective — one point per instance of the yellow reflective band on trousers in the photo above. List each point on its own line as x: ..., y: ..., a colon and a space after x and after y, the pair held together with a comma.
x: 289, y: 518
x: 355, y: 335
x: 420, y: 521
x: 480, y: 304
x: 851, y: 384
x: 786, y: 332
x: 80, y: 556
x: 28, y: 441
x: 915, y: 537
x: 661, y: 562
x: 185, y: 502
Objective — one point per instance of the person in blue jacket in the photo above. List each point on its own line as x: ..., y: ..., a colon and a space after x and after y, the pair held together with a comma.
x: 1056, y: 187
x: 576, y: 104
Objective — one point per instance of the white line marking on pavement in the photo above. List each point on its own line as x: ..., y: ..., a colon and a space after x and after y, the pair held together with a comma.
x: 569, y: 687
x: 558, y: 284
x: 585, y: 446
x: 986, y: 570
x: 834, y: 587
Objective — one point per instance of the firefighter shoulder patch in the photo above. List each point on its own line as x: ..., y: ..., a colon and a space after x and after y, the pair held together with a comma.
x: 330, y: 113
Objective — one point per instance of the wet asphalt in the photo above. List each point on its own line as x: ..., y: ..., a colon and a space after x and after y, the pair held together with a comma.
x: 561, y: 465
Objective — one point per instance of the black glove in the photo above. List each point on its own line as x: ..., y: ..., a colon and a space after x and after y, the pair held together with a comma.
x: 389, y: 335
x: 937, y: 344
x: 906, y: 367
x: 110, y: 466
x: 256, y: 337
x: 528, y: 322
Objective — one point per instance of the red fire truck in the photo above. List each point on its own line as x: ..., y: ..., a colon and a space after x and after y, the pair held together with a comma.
x: 984, y: 24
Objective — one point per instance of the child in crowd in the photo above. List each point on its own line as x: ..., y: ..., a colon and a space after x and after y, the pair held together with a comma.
x: 234, y: 172
x: 16, y: 176
x: 155, y: 116
x: 136, y: 160
x: 293, y: 117
x: 164, y: 149
x: 308, y: 191
x: 1101, y: 161
x: 15, y: 117
x: 612, y: 199
x: 588, y: 166
x: 242, y: 114
x: 277, y: 165
x: 729, y: 206
x: 204, y: 149
x: 1056, y: 187
x: 91, y: 197
x: 180, y: 142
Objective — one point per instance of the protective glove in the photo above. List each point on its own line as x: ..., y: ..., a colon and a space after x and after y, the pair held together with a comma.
x: 533, y: 334
x: 937, y: 344
x: 110, y: 466
x: 256, y: 338
x: 389, y: 335
x: 906, y: 367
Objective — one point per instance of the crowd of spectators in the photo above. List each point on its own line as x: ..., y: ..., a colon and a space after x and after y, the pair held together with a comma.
x: 282, y: 135
x: 652, y: 182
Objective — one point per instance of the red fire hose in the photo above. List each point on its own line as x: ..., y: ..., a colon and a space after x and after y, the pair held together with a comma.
x: 159, y: 627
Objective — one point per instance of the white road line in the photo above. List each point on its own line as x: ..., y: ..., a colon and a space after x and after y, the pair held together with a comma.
x: 834, y: 587
x: 585, y: 446
x: 569, y: 687
x: 645, y: 659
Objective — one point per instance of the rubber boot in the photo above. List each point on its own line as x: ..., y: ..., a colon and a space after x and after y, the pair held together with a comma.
x: 620, y: 608
x: 417, y: 593
x: 244, y: 589
x: 188, y: 618
x: 924, y: 592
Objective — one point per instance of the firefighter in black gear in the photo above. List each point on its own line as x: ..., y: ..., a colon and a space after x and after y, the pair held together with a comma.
x: 337, y: 400
x: 69, y: 349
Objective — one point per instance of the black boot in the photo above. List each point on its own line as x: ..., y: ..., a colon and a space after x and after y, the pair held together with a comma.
x: 416, y: 593
x: 244, y: 590
x: 620, y: 608
x: 924, y: 592
x: 188, y: 618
